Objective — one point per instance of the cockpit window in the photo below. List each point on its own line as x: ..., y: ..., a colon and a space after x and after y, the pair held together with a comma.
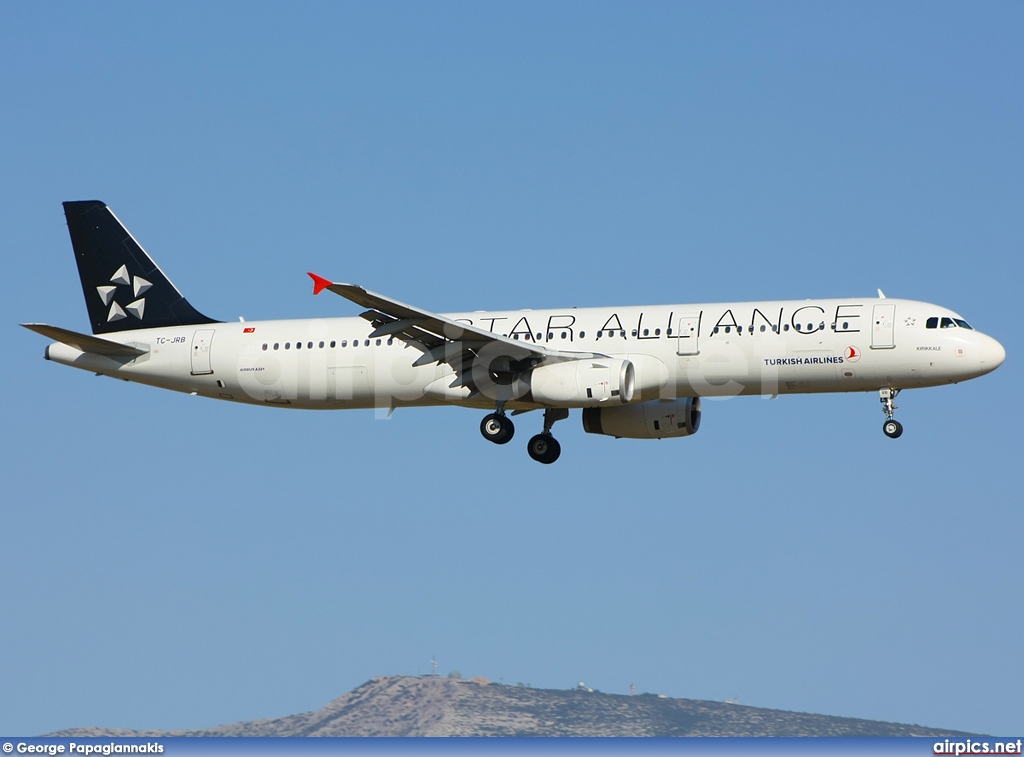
x: 947, y: 323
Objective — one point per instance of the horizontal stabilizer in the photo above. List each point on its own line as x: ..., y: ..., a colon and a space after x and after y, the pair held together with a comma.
x: 84, y: 342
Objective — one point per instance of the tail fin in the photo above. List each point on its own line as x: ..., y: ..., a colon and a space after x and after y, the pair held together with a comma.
x: 124, y: 289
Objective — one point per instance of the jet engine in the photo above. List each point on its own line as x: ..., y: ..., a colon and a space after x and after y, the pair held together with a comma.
x: 579, y: 383
x: 654, y: 419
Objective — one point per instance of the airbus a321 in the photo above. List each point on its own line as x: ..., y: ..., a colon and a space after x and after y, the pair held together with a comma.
x: 635, y: 372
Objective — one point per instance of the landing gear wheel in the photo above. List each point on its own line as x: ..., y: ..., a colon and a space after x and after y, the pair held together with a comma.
x: 497, y: 428
x: 892, y: 429
x: 544, y: 448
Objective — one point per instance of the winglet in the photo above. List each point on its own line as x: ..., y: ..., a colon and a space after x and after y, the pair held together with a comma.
x: 319, y: 282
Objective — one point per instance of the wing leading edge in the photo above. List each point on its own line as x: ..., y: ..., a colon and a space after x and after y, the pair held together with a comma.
x: 442, y: 339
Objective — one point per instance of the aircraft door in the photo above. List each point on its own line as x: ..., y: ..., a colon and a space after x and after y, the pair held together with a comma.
x: 882, y: 337
x: 686, y: 337
x: 348, y: 383
x: 201, y: 342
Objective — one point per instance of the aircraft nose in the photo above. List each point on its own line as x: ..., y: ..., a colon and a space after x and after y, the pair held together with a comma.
x: 992, y: 354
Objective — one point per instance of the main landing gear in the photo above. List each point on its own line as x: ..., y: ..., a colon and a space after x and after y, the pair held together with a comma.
x: 544, y: 448
x: 497, y: 427
x: 891, y: 428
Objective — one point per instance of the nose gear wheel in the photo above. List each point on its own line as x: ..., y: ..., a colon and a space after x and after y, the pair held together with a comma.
x: 891, y: 428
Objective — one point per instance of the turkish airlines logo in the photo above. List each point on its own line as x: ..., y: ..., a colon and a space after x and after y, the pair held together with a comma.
x: 852, y: 355
x: 108, y: 292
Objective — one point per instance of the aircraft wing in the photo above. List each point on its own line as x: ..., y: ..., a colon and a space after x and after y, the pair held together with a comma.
x: 441, y: 339
x: 84, y: 342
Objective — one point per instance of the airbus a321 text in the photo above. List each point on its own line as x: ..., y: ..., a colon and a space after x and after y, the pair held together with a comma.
x: 636, y: 372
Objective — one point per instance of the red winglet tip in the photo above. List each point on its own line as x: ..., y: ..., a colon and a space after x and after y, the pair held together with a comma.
x: 319, y: 282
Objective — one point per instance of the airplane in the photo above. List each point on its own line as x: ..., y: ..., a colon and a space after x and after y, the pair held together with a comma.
x: 635, y: 372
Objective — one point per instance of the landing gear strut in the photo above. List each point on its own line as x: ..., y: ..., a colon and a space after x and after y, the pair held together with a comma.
x: 497, y: 427
x: 891, y: 428
x: 543, y: 447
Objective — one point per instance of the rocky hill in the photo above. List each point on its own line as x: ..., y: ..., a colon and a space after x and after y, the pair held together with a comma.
x: 431, y: 706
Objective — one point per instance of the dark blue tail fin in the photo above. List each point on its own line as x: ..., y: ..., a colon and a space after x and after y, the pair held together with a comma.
x: 124, y: 289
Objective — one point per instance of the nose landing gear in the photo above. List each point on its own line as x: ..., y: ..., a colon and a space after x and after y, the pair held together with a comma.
x: 891, y: 428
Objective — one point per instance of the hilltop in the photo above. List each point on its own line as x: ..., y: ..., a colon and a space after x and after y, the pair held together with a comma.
x: 431, y: 706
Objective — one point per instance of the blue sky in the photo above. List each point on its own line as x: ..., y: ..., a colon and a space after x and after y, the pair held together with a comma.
x: 172, y: 562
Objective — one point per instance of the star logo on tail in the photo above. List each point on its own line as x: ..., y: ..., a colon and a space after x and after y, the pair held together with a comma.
x: 108, y: 292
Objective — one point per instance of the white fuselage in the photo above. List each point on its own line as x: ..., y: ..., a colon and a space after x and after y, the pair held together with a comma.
x: 782, y: 347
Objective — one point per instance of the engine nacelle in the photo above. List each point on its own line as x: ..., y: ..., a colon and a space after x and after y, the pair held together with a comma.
x: 579, y: 383
x: 654, y: 419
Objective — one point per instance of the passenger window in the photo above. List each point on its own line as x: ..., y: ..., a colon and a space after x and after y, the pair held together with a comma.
x: 321, y: 345
x: 333, y: 343
x: 264, y: 346
x: 287, y: 345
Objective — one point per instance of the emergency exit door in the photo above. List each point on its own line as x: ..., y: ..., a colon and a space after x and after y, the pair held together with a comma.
x: 686, y: 336
x: 883, y: 319
x: 201, y: 342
